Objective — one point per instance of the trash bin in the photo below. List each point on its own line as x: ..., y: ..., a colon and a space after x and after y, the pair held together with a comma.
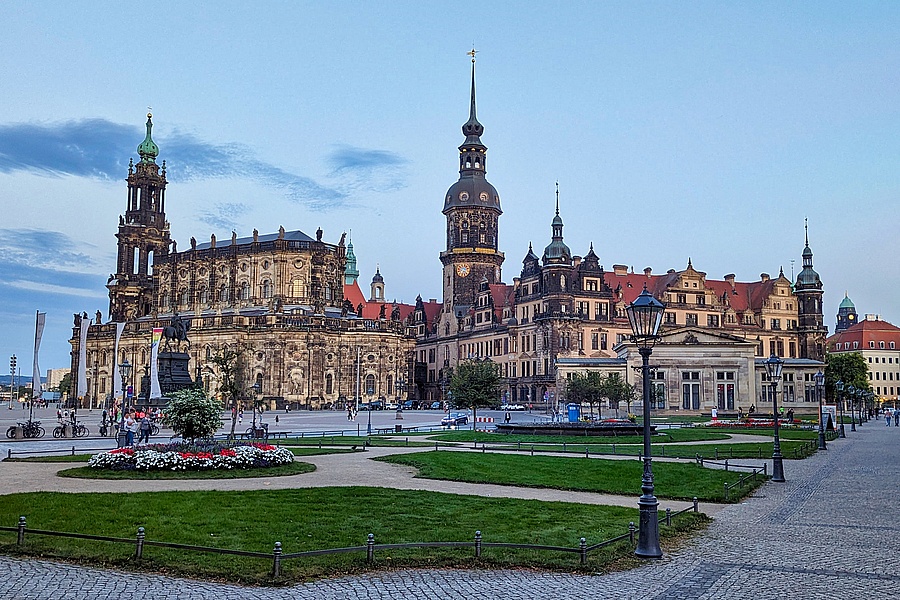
x: 398, y: 428
x: 574, y: 412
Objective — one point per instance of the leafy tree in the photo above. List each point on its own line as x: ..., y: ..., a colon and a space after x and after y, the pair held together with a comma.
x: 229, y: 361
x: 475, y: 384
x: 192, y: 414
x: 65, y: 384
x: 586, y: 388
x: 616, y: 390
x: 851, y: 368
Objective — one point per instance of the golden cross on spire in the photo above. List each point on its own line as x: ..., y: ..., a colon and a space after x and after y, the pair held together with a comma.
x: 472, y: 53
x: 149, y: 111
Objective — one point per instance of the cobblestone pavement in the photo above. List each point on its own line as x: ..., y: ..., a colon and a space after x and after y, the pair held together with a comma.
x: 826, y: 533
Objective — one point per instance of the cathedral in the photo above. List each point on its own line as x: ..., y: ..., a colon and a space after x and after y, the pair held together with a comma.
x: 311, y: 339
x: 289, y: 302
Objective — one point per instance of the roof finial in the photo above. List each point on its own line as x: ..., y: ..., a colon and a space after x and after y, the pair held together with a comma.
x: 557, y: 197
x: 148, y: 150
x: 690, y: 266
x: 472, y: 116
x: 472, y: 53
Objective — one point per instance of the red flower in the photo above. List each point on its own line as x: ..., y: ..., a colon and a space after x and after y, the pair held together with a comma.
x: 227, y: 452
x: 128, y: 451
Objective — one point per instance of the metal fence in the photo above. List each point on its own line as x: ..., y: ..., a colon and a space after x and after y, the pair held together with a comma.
x: 140, y: 542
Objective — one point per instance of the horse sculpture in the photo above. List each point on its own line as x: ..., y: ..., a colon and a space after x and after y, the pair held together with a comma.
x: 176, y: 331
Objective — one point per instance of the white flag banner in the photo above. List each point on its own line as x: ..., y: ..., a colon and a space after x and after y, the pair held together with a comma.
x: 35, y: 368
x: 155, y: 391
x: 117, y: 381
x: 81, y: 386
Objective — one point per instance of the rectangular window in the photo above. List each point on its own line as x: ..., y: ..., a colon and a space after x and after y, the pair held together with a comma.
x: 603, y: 341
x: 657, y: 389
x: 670, y: 318
x: 776, y: 323
x: 712, y: 320
x: 620, y: 338
x: 595, y: 341
x: 690, y: 390
x: 690, y: 319
x: 701, y: 300
x: 682, y: 298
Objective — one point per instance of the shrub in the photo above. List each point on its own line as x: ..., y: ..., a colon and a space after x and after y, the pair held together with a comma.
x: 192, y: 414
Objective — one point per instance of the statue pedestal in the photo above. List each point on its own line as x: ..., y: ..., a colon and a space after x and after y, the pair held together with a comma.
x: 173, y: 372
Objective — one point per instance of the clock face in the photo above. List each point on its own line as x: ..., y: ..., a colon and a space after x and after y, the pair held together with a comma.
x: 850, y: 317
x: 462, y: 270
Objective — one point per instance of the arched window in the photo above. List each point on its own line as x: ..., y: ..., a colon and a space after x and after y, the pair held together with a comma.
x: 245, y: 291
x: 136, y: 260
x: 266, y: 289
x: 208, y: 352
x: 204, y: 296
x: 223, y: 293
x: 390, y: 385
x: 329, y: 383
x: 185, y: 297
x: 297, y: 288
x: 370, y: 385
x: 144, y: 357
x: 259, y: 386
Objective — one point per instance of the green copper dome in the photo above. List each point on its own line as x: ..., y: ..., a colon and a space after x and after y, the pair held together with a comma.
x: 148, y: 150
x: 846, y: 303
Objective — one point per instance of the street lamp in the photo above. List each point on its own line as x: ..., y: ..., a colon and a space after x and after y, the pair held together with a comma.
x: 124, y: 373
x: 773, y: 370
x: 644, y: 316
x: 851, y: 393
x: 820, y: 389
x: 839, y: 386
x: 256, y: 389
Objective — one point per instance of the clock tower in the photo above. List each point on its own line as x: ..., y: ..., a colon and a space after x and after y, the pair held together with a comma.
x: 472, y: 208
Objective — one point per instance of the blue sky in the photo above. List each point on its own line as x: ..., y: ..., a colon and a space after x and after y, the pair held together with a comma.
x: 675, y: 130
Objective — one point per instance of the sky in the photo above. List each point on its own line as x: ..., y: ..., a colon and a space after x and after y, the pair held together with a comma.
x: 701, y: 130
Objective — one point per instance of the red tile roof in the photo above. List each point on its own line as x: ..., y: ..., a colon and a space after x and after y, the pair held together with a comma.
x: 863, y: 333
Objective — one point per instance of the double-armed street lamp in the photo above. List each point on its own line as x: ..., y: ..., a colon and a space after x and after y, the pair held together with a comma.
x: 645, y: 316
x: 839, y: 387
x: 820, y: 390
x: 773, y: 370
x: 124, y: 372
x: 851, y: 393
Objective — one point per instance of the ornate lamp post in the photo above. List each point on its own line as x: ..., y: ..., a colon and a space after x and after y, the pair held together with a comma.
x: 645, y: 315
x: 773, y: 370
x: 839, y: 387
x: 124, y: 373
x: 851, y: 393
x: 256, y: 389
x: 820, y: 389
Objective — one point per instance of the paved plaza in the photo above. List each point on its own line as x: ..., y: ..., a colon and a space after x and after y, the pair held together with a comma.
x: 829, y: 532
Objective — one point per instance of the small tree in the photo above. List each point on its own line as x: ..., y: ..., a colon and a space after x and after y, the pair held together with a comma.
x: 616, y: 390
x: 229, y: 362
x: 475, y: 384
x: 586, y: 388
x: 192, y: 414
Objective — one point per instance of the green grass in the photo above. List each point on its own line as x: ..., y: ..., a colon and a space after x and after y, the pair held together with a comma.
x: 320, y: 451
x: 748, y: 450
x: 666, y: 435
x: 673, y: 480
x: 58, y: 458
x: 295, y: 468
x: 319, y: 518
x: 785, y: 433
x: 347, y: 440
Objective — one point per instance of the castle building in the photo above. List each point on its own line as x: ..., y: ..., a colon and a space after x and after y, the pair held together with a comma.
x: 879, y: 343
x: 565, y: 313
x: 283, y: 299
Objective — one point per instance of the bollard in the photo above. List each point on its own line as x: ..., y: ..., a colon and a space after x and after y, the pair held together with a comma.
x: 407, y: 441
x: 532, y: 449
x: 716, y: 454
x: 765, y: 469
x: 519, y: 446
x: 20, y: 536
x: 357, y: 429
x: 726, y: 491
x: 477, y: 544
x: 139, y: 544
x: 564, y: 446
x: 9, y: 454
x: 370, y: 548
x: 482, y: 447
x: 726, y: 465
x: 614, y: 449
x: 435, y: 445
x: 320, y: 443
x: 475, y: 443
x: 73, y: 450
x: 696, y: 505
x: 582, y: 546
x: 586, y: 449
x: 668, y: 517
x: 276, y: 560
x: 631, y: 529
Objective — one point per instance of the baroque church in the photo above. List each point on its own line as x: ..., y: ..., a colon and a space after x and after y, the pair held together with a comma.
x: 311, y: 339
x: 290, y: 302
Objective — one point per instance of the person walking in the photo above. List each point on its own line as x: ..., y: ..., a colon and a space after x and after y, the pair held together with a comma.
x: 144, y: 430
x: 130, y: 426
x: 506, y: 417
x: 897, y: 417
x: 886, y: 413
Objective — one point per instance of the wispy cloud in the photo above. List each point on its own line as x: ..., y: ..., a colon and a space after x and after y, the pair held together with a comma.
x: 365, y: 169
x: 99, y: 149
x: 49, y: 288
x: 225, y: 215
x: 50, y: 250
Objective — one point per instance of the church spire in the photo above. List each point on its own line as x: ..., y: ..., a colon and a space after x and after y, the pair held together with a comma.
x: 472, y: 129
x: 148, y: 150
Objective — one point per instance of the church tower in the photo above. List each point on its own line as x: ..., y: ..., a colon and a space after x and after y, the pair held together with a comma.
x: 472, y: 208
x: 810, y: 328
x: 558, y: 271
x: 143, y: 235
x: 846, y: 315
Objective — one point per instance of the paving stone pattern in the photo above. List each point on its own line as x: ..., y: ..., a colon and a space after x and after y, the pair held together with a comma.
x: 829, y: 532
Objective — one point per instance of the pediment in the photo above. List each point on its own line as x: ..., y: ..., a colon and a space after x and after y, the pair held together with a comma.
x: 687, y: 336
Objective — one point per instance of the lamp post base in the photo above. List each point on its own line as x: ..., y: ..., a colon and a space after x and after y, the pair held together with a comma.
x: 822, y: 445
x: 841, y: 431
x: 648, y: 535
x: 778, y: 468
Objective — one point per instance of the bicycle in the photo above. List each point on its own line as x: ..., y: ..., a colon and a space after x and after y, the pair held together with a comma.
x: 30, y: 429
x: 80, y: 430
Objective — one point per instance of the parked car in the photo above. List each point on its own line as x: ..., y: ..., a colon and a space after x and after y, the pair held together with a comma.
x: 410, y: 405
x: 435, y: 406
x: 512, y: 407
x: 391, y: 406
x: 455, y: 419
x: 376, y: 405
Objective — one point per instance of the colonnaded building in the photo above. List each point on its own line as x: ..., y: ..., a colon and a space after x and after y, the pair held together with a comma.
x: 294, y: 303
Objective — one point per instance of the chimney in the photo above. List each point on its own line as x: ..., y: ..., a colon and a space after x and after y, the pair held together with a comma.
x: 576, y: 260
x: 648, y: 271
x: 730, y: 279
x: 620, y: 269
x: 871, y: 317
x: 764, y: 277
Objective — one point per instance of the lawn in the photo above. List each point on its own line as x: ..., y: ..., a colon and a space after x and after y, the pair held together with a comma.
x: 319, y: 518
x: 348, y: 440
x: 748, y: 450
x: 295, y: 468
x: 53, y: 458
x: 665, y: 435
x: 673, y: 480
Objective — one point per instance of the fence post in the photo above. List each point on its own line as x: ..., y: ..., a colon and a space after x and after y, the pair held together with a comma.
x: 582, y: 546
x: 668, y: 517
x: 276, y: 560
x: 139, y: 544
x: 519, y: 446
x: 662, y: 450
x: 631, y: 532
x: 407, y: 441
x: 20, y: 536
x: 765, y: 469
x: 9, y: 454
x: 370, y: 547
x: 696, y: 507
x: 726, y: 465
x: 716, y: 453
x: 564, y: 446
x: 726, y: 492
x: 435, y: 445
x: 614, y: 449
x: 532, y: 449
x: 474, y: 443
x: 73, y: 450
x: 477, y: 544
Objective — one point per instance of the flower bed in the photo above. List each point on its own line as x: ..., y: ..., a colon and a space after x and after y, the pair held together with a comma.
x: 192, y: 457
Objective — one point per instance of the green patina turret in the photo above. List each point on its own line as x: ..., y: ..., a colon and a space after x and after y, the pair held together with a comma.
x: 351, y: 273
x: 148, y: 150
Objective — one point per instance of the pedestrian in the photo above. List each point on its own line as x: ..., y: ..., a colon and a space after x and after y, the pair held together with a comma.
x: 240, y: 416
x: 896, y: 417
x: 715, y: 413
x: 790, y: 415
x: 59, y: 415
x: 130, y: 426
x: 887, y: 417
x: 349, y: 413
x: 144, y: 431
x: 507, y: 417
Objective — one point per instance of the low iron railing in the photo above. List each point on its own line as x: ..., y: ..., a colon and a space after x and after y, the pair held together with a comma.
x: 277, y: 555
